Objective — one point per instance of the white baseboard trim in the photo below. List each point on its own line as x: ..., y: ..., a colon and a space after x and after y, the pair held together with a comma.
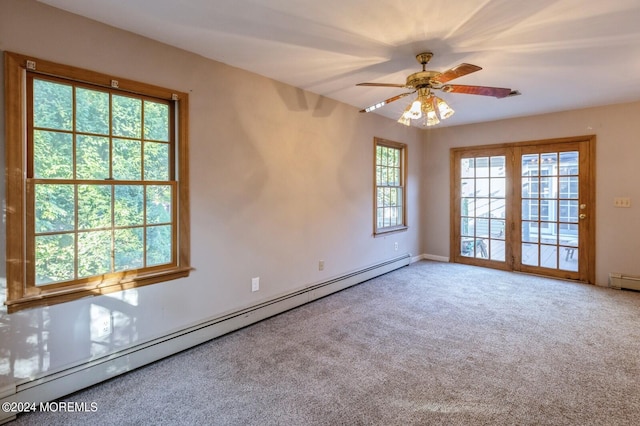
x: 436, y: 258
x: 57, y: 385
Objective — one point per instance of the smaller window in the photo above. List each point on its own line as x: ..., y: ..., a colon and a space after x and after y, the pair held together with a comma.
x: 390, y: 212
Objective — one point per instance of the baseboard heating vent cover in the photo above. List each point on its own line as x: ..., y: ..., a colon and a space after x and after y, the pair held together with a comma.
x: 622, y: 281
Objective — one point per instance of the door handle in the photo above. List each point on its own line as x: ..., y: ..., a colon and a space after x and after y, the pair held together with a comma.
x: 582, y: 216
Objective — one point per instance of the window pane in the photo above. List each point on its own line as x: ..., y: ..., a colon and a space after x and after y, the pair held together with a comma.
x: 497, y: 228
x: 548, y: 160
x: 569, y: 259
x: 393, y: 196
x: 482, y: 187
x: 549, y: 210
x: 55, y: 206
x: 52, y: 155
x: 530, y: 254
x: 395, y: 179
x: 54, y: 258
x: 379, y: 197
x: 497, y: 166
x: 94, y: 206
x: 497, y: 250
x: 547, y: 233
x: 92, y: 111
x: 52, y: 105
x: 569, y: 187
x: 128, y: 207
x: 158, y: 204
x: 384, y: 179
x: 482, y: 167
x: 94, y: 253
x: 158, y: 245
x: 569, y: 211
x: 529, y: 232
x: 127, y: 160
x: 399, y: 214
x: 128, y: 248
x: 156, y: 121
x: 466, y: 227
x: 156, y: 161
x: 467, y: 247
x: 481, y: 248
x: 530, y: 164
x: 548, y: 256
x: 396, y: 158
x: 467, y: 167
x: 468, y: 187
x: 568, y: 163
x: 547, y: 185
x: 497, y: 207
x: 468, y: 206
x: 92, y: 157
x: 127, y: 116
x: 498, y: 187
x: 482, y: 227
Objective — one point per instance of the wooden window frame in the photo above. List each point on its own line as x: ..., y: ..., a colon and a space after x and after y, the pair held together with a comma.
x: 377, y: 231
x: 22, y: 294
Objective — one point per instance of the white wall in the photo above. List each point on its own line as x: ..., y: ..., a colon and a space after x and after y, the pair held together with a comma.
x: 280, y: 178
x: 617, y: 130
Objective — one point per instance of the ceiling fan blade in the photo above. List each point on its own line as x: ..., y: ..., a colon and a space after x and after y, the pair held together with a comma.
x: 498, y: 92
x: 386, y: 101
x: 455, y: 72
x: 381, y: 84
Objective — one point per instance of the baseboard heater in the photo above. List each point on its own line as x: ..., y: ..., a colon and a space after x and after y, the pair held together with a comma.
x: 622, y: 281
x: 57, y: 385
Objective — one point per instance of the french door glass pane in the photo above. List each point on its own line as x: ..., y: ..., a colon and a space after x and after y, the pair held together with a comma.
x: 550, y: 210
x: 483, y: 190
x: 497, y: 250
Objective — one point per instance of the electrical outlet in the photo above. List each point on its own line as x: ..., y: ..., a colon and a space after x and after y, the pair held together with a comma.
x: 101, y: 322
x: 622, y: 202
x: 395, y: 246
x: 255, y: 284
x: 321, y: 265
x: 105, y: 329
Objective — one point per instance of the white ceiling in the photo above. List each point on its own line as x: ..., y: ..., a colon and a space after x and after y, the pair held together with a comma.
x: 560, y: 54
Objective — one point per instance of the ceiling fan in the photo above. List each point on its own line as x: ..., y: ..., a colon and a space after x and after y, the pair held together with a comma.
x: 427, y: 105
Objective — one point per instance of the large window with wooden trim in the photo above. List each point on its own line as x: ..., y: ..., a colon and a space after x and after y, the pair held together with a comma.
x: 97, y: 188
x: 390, y: 212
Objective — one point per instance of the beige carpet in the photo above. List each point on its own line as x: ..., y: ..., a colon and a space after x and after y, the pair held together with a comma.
x: 430, y: 344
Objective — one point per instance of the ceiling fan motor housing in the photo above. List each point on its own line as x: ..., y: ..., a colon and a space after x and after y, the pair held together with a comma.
x: 421, y: 79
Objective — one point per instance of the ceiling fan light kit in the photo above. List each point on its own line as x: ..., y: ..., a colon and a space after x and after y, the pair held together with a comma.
x: 427, y: 105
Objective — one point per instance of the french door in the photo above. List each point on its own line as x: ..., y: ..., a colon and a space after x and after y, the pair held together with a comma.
x: 525, y: 207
